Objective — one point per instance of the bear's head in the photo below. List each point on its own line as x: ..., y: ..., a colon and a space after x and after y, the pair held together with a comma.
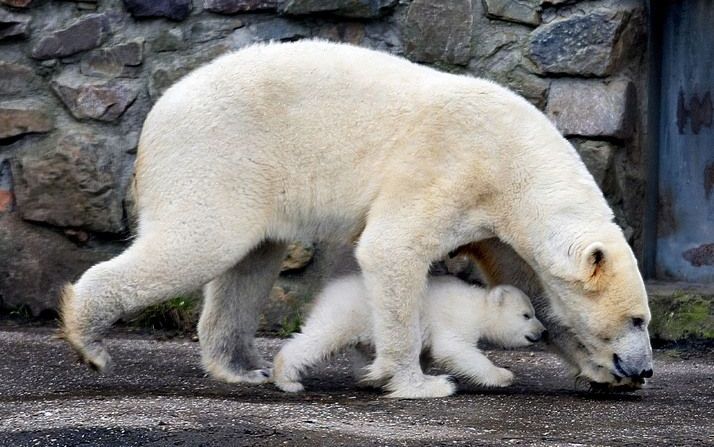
x: 598, y: 298
x: 592, y: 301
x: 512, y: 322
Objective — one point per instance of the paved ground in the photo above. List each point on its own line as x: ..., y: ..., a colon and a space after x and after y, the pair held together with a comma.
x: 158, y: 396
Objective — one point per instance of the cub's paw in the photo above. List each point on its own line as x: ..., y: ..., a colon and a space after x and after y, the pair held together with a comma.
x: 290, y: 387
x: 498, y: 377
x: 422, y: 387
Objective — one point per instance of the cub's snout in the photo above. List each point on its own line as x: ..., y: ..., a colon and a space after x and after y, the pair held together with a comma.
x: 537, y: 333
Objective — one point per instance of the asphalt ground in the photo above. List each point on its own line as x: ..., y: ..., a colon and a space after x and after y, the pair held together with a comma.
x: 159, y: 396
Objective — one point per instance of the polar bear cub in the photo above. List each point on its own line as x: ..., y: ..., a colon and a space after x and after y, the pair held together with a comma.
x: 454, y: 316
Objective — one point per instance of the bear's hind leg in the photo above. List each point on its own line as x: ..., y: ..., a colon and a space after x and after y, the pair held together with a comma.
x: 158, y: 266
x: 229, y: 319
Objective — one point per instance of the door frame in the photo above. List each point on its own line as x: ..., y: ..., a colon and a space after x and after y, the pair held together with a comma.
x: 655, y: 20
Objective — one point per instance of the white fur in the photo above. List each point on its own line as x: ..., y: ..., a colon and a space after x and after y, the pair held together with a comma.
x: 313, y: 140
x: 454, y: 317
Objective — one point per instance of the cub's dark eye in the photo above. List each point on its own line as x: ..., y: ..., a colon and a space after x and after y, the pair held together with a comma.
x: 526, y: 316
x: 638, y: 322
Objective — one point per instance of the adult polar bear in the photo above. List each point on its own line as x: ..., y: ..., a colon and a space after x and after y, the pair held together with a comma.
x: 338, y: 143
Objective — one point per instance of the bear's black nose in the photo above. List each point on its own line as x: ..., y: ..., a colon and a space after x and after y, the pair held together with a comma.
x: 620, y: 368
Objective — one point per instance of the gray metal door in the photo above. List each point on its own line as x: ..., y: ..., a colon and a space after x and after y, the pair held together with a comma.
x: 685, y: 228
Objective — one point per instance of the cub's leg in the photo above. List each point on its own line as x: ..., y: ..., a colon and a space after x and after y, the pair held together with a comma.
x: 300, y: 353
x: 395, y: 267
x: 229, y: 319
x: 322, y: 336
x: 464, y: 360
x: 158, y: 266
x: 360, y: 357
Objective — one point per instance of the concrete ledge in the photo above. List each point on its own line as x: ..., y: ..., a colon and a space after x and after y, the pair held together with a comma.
x: 681, y: 311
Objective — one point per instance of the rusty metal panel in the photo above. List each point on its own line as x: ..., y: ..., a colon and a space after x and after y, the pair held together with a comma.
x: 685, y: 227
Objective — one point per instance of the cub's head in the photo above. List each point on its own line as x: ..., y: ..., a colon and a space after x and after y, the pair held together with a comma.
x: 512, y: 322
x: 598, y: 299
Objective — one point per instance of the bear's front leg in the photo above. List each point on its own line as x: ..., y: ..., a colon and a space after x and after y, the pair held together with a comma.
x: 395, y: 271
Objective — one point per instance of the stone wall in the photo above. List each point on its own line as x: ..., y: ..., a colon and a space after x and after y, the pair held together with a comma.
x: 77, y: 79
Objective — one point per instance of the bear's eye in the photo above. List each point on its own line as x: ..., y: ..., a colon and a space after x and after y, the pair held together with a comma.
x: 638, y: 322
x: 526, y: 316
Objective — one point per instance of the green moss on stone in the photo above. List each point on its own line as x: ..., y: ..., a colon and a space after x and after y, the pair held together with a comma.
x: 682, y: 316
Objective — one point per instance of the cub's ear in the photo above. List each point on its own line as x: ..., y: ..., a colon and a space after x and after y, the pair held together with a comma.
x: 593, y: 262
x: 497, y: 295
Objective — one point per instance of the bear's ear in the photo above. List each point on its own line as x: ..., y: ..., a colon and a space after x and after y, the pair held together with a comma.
x: 497, y: 295
x: 593, y: 262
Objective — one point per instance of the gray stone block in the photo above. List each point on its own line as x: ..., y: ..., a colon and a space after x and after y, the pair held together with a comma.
x: 585, y: 44
x: 71, y: 180
x: 597, y: 156
x: 172, y: 39
x: 439, y: 31
x: 83, y: 34
x: 17, y: 78
x: 518, y: 11
x: 592, y: 108
x: 23, y: 117
x: 95, y: 99
x: 531, y: 87
x: 117, y: 61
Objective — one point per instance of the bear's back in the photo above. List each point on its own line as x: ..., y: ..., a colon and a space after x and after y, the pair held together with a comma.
x: 321, y: 72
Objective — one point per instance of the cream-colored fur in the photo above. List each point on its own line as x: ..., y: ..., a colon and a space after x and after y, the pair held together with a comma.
x: 333, y: 142
x: 454, y: 317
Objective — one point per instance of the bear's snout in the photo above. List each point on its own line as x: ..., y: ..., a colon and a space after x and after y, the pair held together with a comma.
x: 537, y: 336
x: 632, y: 371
